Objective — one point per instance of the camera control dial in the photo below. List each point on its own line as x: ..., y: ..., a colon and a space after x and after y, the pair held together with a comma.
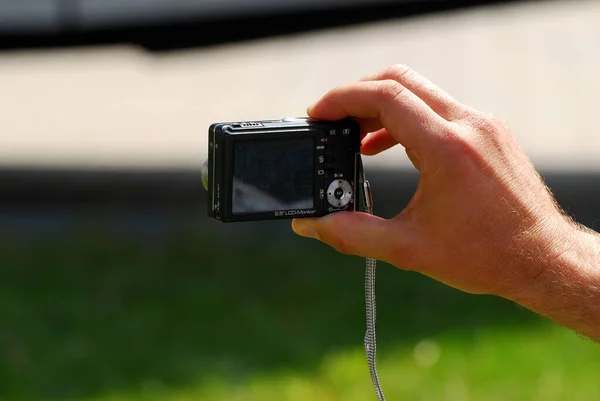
x: 339, y: 193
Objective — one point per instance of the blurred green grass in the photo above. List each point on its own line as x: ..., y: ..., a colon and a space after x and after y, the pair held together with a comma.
x: 214, y: 315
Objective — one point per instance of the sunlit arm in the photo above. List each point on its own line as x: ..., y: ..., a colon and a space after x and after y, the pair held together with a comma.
x: 568, y: 289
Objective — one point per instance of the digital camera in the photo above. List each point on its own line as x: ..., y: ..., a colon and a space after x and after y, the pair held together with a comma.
x: 281, y: 169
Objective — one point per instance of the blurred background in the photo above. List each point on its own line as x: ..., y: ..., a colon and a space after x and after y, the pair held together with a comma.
x: 114, y: 285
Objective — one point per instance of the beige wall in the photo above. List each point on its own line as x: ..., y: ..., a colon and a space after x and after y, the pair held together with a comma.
x: 536, y: 65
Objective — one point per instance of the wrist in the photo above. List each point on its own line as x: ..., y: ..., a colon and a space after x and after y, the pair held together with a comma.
x: 566, y: 287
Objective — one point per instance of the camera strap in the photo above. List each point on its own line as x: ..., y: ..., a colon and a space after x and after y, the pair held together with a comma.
x: 371, y: 308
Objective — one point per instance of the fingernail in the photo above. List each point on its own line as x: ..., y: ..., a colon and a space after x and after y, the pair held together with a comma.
x: 304, y: 229
x: 310, y: 109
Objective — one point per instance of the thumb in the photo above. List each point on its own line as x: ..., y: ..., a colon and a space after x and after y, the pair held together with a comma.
x: 352, y: 233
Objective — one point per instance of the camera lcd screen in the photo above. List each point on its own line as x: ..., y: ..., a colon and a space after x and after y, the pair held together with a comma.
x: 273, y: 174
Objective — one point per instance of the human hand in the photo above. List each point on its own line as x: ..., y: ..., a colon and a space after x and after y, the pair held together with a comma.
x: 481, y: 219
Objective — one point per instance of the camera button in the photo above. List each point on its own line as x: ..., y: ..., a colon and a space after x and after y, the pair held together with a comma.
x: 339, y: 193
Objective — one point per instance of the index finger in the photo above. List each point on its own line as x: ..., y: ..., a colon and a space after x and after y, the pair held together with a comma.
x: 408, y: 119
x: 441, y: 102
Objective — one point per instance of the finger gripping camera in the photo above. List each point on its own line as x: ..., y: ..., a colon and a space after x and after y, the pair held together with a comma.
x: 282, y: 169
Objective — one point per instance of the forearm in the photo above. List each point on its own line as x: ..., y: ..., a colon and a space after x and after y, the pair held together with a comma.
x: 568, y: 289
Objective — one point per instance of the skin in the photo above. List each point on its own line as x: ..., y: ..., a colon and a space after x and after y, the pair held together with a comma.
x: 481, y: 219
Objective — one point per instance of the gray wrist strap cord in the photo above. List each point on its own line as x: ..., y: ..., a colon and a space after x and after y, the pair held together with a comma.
x: 371, y: 309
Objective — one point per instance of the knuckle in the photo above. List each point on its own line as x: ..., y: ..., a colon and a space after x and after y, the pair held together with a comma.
x: 398, y: 71
x: 389, y: 90
x: 460, y: 143
x: 341, y: 245
x: 486, y: 124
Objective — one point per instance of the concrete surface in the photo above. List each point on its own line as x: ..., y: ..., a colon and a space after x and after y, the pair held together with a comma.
x: 536, y: 65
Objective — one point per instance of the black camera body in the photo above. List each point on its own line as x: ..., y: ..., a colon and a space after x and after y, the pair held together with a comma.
x: 282, y: 169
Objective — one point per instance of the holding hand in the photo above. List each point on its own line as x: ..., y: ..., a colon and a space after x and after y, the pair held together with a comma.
x: 481, y: 219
